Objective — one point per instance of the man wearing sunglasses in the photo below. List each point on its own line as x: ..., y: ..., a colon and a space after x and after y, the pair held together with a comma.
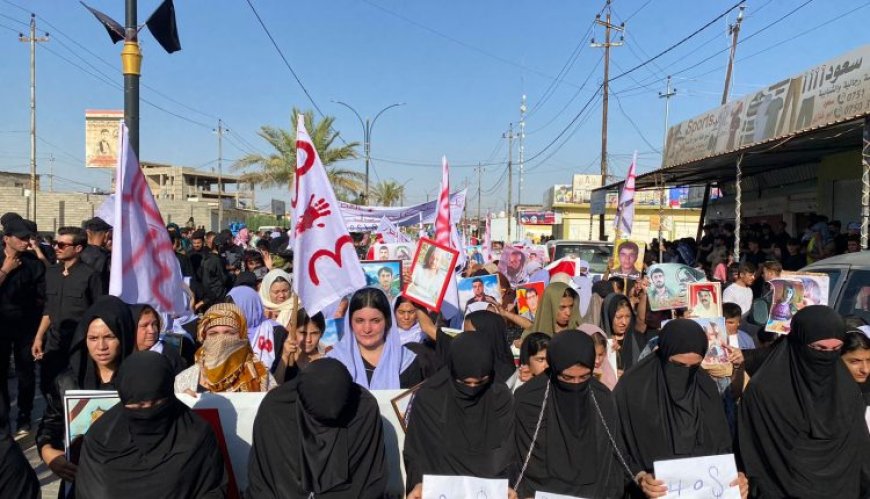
x: 71, y: 288
x: 22, y: 294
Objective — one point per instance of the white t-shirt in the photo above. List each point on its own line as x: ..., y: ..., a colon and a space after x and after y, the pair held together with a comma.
x: 741, y: 295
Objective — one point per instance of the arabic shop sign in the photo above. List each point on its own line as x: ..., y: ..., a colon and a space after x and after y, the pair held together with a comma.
x: 834, y: 92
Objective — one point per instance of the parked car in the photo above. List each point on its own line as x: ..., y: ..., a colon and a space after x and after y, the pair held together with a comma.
x: 597, y: 253
x: 849, y: 292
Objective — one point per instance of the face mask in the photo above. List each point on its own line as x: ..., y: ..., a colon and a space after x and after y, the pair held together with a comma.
x: 470, y: 392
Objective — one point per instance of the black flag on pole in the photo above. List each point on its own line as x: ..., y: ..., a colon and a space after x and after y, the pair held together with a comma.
x: 114, y: 28
x: 162, y: 26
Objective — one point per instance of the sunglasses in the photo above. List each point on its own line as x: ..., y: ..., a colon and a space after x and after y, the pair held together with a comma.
x: 62, y: 245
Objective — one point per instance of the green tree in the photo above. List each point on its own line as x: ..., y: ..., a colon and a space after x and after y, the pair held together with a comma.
x: 388, y: 193
x: 277, y: 168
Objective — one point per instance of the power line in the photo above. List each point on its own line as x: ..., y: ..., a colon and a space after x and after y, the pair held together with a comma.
x: 571, y: 100
x: 569, y: 64
x: 633, y: 124
x: 284, y: 58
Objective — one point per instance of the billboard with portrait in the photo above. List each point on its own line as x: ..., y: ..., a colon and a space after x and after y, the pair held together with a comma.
x: 101, y: 137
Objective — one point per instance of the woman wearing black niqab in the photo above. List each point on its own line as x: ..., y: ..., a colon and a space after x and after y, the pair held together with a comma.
x: 572, y: 453
x: 459, y: 429
x: 670, y: 410
x: 801, y: 427
x: 150, y: 444
x: 491, y: 326
x: 318, y: 434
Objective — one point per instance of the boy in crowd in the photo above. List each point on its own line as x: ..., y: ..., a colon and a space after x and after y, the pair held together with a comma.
x: 732, y: 313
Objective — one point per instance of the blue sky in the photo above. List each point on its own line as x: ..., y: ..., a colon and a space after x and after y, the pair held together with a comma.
x: 461, y: 68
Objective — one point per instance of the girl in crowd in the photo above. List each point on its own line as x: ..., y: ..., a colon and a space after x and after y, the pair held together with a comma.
x: 371, y: 349
x: 557, y: 311
x: 801, y: 422
x: 266, y: 336
x: 103, y: 339
x: 462, y: 422
x: 304, y: 348
x: 148, y: 327
x: 671, y: 409
x: 275, y: 294
x: 225, y: 361
x: 572, y: 453
x: 603, y: 371
x: 533, y: 358
x: 150, y: 444
x: 856, y: 355
x: 620, y: 323
x: 319, y: 435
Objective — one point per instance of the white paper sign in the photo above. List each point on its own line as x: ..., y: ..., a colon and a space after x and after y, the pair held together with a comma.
x: 550, y: 495
x: 463, y: 487
x: 699, y: 477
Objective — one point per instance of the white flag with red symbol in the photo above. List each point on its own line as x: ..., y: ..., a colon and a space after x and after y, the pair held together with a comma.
x: 625, y: 214
x: 144, y: 266
x: 390, y: 232
x: 444, y: 234
x: 325, y: 263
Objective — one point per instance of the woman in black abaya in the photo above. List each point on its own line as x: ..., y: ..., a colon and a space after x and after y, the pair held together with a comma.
x: 801, y: 427
x: 491, y: 326
x: 318, y: 434
x: 462, y: 422
x: 669, y: 408
x: 619, y: 321
x: 150, y: 445
x: 572, y: 453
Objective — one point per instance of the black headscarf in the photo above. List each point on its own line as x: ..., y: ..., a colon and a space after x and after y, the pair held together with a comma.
x: 319, y: 433
x: 460, y: 430
x: 633, y: 342
x: 491, y: 326
x: 116, y: 314
x: 175, y: 360
x: 164, y: 451
x: 572, y: 454
x: 668, y: 411
x: 801, y: 428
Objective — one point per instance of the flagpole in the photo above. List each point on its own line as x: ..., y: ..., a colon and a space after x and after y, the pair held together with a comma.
x: 131, y: 62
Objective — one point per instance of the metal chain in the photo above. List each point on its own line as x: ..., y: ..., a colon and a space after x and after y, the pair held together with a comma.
x: 738, y: 207
x: 534, y: 437
x: 610, y: 436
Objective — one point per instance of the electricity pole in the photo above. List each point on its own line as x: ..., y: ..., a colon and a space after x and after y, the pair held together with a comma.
x: 131, y: 66
x: 522, y: 138
x: 220, y: 134
x: 605, y: 86
x: 479, y: 171
x: 734, y: 29
x: 510, y: 136
x: 33, y: 40
x: 51, y: 172
x: 668, y: 93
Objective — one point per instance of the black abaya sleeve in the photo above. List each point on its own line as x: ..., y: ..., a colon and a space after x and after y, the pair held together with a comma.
x: 213, y: 481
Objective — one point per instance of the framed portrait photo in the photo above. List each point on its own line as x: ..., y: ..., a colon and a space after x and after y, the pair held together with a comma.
x: 628, y: 259
x: 431, y: 271
x: 402, y: 405
x: 705, y: 299
x: 81, y: 409
x: 385, y: 275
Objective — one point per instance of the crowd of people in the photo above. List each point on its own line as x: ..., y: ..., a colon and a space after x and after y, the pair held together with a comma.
x: 579, y: 395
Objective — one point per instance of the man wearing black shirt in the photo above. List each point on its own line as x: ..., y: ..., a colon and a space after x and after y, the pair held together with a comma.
x: 71, y: 287
x: 793, y: 259
x: 22, y: 296
x: 95, y: 254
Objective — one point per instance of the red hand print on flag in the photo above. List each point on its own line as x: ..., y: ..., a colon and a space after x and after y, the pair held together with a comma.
x: 314, y: 211
x: 264, y: 344
x: 313, y: 205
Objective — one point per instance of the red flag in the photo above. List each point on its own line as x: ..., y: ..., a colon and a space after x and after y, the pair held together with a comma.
x: 442, y: 220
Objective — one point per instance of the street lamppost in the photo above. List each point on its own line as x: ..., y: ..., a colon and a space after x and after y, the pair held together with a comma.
x: 367, y: 136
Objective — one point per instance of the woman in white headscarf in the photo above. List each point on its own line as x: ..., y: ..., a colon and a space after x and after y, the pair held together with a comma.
x: 275, y: 292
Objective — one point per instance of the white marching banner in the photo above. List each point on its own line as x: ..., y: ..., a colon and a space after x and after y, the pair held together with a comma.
x: 366, y: 218
x: 325, y: 263
x: 144, y: 266
x: 390, y: 232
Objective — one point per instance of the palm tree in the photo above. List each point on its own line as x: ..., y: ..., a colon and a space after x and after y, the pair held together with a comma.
x: 388, y: 192
x: 277, y: 168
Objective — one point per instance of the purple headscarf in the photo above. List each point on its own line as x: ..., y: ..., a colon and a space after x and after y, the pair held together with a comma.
x: 394, y: 358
